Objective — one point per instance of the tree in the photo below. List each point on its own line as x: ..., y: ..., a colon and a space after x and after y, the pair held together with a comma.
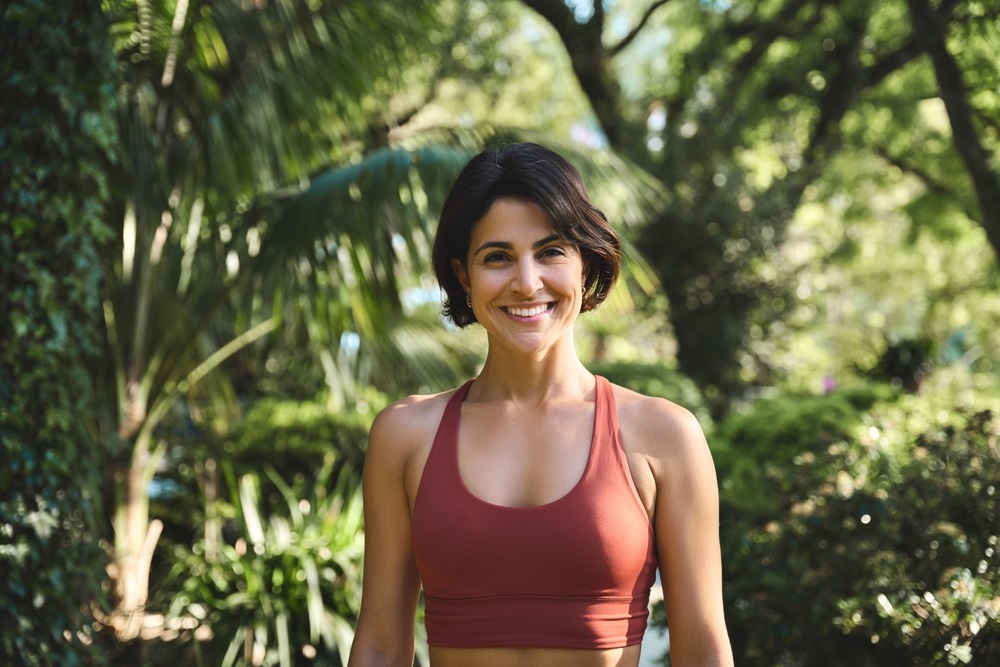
x: 221, y: 107
x: 737, y: 109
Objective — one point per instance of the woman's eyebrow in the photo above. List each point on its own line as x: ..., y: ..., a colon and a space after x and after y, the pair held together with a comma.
x: 507, y: 245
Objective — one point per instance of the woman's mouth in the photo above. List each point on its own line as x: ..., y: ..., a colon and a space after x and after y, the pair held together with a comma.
x: 528, y: 311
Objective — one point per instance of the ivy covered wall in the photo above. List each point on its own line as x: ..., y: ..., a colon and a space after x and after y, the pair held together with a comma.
x: 57, y: 136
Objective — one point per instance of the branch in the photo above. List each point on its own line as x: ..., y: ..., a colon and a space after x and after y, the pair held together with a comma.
x: 638, y: 28
x: 598, y: 12
x: 591, y: 63
x: 165, y: 401
x: 930, y: 30
x: 559, y: 17
x: 931, y: 183
x: 378, y: 132
x: 844, y: 83
x: 765, y: 34
x: 891, y: 62
x: 778, y: 26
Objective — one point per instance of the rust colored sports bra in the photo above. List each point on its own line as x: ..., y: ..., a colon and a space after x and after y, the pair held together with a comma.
x: 573, y: 573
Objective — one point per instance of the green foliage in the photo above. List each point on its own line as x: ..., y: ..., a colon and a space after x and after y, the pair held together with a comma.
x: 753, y: 449
x: 865, y: 537
x: 747, y: 117
x: 56, y: 138
x: 296, y: 436
x: 746, y: 110
x: 225, y: 111
x: 931, y: 554
x: 285, y: 587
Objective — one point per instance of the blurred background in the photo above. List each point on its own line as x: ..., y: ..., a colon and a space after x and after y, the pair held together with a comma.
x: 214, y: 249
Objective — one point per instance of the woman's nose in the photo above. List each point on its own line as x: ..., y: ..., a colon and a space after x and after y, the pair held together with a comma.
x: 527, y: 279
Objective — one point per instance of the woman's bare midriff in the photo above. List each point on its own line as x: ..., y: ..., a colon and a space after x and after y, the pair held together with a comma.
x: 535, y: 657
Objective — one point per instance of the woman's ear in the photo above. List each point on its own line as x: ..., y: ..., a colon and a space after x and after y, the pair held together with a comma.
x: 460, y: 273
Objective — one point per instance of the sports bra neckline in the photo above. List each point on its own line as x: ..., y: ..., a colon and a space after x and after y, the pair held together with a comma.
x: 600, y: 387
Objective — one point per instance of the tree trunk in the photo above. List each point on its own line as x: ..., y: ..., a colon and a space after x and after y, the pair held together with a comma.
x: 135, y: 540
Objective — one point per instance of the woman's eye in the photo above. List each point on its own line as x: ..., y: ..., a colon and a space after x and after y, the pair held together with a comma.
x: 553, y: 252
x: 495, y: 257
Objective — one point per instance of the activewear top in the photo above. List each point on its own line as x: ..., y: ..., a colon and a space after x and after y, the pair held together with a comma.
x: 573, y: 573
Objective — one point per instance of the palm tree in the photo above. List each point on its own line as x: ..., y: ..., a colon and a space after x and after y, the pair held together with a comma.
x: 222, y: 104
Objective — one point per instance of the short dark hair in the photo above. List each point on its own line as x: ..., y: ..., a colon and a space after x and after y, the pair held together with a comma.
x: 533, y: 173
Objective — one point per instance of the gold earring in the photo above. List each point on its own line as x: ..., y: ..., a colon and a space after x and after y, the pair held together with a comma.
x: 468, y: 300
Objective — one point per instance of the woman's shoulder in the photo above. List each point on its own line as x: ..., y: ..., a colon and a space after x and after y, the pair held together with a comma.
x: 657, y: 428
x: 409, y: 422
x: 652, y: 411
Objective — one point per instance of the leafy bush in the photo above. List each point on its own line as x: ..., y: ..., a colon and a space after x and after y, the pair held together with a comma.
x: 285, y: 587
x: 292, y: 437
x: 295, y: 436
x: 309, y: 450
x: 873, y: 540
x: 56, y: 137
x: 754, y: 449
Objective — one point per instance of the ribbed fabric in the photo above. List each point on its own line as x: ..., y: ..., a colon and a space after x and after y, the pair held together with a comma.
x: 574, y: 573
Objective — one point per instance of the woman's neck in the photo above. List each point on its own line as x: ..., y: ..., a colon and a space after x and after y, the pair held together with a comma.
x: 535, y: 379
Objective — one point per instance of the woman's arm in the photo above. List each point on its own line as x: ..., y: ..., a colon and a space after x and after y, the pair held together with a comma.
x: 686, y: 521
x: 391, y: 584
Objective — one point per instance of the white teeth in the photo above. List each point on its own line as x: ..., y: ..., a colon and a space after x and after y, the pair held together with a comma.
x: 527, y: 312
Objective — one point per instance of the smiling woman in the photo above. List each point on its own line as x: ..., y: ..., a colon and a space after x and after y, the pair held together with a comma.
x: 534, y: 503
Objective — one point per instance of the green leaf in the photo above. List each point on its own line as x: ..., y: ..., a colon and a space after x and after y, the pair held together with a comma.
x: 22, y: 225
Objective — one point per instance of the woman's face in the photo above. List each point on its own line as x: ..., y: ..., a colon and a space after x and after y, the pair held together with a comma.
x: 526, y: 285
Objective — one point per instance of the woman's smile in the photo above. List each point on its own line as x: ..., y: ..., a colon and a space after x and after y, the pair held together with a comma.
x: 528, y: 312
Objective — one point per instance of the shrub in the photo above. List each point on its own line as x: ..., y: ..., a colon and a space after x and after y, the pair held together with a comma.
x: 296, y: 436
x: 753, y: 450
x: 875, y: 542
x: 285, y: 587
x: 292, y: 437
x: 304, y: 573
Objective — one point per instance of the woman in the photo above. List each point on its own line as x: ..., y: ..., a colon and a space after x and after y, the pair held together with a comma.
x: 534, y: 503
